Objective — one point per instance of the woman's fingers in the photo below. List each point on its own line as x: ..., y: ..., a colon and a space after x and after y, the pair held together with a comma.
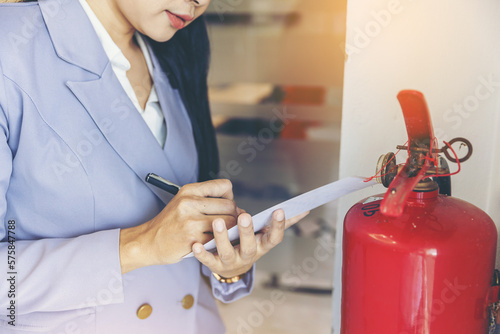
x: 214, y: 188
x: 206, y: 258
x: 225, y: 250
x: 248, y: 243
x: 295, y: 220
x: 201, y: 229
x: 230, y: 260
x: 276, y: 231
x: 229, y: 221
x: 212, y: 206
x: 187, y: 219
x: 226, y: 254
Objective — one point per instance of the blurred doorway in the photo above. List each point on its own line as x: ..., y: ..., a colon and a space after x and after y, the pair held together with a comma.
x: 276, y: 95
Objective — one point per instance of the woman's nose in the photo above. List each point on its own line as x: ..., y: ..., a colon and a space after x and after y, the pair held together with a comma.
x: 199, y: 3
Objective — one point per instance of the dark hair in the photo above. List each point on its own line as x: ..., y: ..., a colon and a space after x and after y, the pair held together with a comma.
x: 185, y: 59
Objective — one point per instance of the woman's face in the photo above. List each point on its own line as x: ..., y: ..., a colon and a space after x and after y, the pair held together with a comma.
x: 160, y: 19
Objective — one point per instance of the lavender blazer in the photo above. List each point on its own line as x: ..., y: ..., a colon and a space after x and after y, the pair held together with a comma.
x: 74, y: 153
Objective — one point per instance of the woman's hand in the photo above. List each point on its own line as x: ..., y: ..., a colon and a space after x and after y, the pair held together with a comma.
x: 186, y: 220
x: 231, y: 261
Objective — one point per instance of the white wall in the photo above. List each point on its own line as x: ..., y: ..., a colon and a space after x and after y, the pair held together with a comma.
x: 447, y: 49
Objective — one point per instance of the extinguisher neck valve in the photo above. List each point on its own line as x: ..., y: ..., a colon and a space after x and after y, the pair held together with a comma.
x: 426, y: 185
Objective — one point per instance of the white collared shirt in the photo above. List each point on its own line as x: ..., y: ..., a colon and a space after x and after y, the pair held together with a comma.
x: 152, y: 114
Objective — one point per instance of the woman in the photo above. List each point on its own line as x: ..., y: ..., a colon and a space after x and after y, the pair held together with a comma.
x: 94, y: 95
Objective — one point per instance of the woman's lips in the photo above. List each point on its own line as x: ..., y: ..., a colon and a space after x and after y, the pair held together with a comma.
x: 178, y: 20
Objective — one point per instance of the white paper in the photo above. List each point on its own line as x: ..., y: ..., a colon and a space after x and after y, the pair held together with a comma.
x: 300, y: 204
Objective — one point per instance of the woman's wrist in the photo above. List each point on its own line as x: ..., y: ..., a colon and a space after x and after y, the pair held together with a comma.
x: 132, y: 252
x: 229, y: 280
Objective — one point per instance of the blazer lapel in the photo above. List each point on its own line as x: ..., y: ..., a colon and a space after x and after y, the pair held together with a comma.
x: 180, y: 148
x: 104, y: 99
x: 123, y: 127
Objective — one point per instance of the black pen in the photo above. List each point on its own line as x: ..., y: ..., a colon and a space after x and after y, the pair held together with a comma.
x: 163, y: 184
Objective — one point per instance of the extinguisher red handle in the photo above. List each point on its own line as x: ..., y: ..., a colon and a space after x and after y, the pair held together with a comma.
x: 421, y: 142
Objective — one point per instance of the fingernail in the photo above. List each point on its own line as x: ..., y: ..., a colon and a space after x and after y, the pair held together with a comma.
x: 245, y: 221
x: 219, y: 225
x: 197, y: 249
x: 279, y: 215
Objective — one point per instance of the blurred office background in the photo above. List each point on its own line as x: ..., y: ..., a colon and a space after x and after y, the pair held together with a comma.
x: 276, y: 93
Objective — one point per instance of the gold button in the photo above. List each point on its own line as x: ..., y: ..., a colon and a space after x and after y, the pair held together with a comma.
x: 188, y: 302
x: 144, y: 311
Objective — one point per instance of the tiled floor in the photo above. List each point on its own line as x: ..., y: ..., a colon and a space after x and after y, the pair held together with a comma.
x: 272, y: 311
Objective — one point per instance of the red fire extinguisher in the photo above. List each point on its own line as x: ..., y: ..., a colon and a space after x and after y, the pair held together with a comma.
x: 416, y: 260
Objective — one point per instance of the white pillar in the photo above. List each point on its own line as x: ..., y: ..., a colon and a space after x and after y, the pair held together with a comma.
x: 450, y: 51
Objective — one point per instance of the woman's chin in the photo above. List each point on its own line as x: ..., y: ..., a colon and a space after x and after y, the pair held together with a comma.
x: 161, y: 35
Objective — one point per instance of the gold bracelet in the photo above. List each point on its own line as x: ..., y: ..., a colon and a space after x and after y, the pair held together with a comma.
x: 227, y: 280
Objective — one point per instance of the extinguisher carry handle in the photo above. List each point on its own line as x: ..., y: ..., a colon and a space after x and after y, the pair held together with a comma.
x: 421, y: 142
